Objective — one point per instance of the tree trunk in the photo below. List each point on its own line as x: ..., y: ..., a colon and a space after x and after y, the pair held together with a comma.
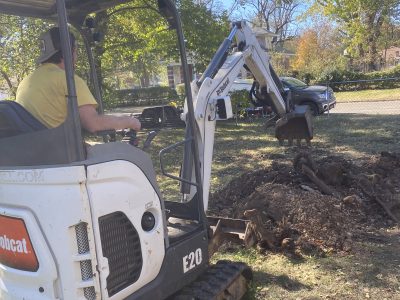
x: 374, y: 25
x: 361, y: 53
x: 9, y: 83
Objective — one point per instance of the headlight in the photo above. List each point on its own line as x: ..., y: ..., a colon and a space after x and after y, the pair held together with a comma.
x: 322, y: 96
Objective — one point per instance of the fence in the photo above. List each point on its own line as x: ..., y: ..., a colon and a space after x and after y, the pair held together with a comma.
x: 141, y: 97
x: 371, y: 96
x: 364, y: 84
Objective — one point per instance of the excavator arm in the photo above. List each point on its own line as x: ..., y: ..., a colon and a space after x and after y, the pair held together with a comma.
x: 212, y: 102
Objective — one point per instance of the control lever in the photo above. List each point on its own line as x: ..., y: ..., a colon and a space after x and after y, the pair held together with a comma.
x: 150, y: 137
x: 130, y: 137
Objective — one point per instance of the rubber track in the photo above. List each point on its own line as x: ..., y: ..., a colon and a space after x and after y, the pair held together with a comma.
x: 214, y: 281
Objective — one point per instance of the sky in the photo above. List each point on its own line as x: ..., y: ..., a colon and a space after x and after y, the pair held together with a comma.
x: 243, y: 13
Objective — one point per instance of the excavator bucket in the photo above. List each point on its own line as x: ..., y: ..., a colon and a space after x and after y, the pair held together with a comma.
x: 226, y: 229
x: 296, y: 125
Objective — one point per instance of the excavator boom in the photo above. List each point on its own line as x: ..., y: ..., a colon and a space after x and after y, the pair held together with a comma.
x: 212, y: 102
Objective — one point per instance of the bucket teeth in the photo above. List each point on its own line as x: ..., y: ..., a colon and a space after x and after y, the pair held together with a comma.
x: 296, y: 125
x: 298, y: 142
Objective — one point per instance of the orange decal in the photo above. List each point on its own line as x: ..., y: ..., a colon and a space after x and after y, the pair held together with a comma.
x: 16, y: 249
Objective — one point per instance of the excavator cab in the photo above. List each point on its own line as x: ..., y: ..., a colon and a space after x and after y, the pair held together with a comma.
x: 90, y: 222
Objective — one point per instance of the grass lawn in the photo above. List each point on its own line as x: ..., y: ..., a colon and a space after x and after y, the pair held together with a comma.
x: 369, y: 275
x: 368, y: 95
x: 246, y: 147
x: 372, y: 273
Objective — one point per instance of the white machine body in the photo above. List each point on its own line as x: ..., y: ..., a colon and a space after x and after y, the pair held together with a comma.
x: 41, y: 238
x: 205, y: 97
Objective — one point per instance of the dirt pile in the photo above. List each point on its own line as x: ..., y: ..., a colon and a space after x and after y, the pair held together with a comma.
x: 316, y: 206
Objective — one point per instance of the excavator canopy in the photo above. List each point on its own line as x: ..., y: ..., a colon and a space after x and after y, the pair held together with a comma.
x: 76, y: 9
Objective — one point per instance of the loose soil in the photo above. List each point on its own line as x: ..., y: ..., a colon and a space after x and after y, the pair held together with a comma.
x: 360, y: 199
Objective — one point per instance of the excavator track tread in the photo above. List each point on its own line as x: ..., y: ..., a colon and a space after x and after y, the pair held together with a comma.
x: 214, y: 282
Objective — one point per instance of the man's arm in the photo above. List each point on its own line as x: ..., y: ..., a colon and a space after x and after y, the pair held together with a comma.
x: 93, y: 122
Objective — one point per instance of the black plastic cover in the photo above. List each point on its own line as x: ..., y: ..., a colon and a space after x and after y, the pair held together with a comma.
x: 120, y: 243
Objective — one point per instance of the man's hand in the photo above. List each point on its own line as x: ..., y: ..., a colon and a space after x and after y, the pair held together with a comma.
x: 135, y: 124
x: 94, y: 122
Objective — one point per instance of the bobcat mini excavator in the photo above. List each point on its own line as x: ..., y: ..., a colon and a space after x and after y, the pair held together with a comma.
x: 90, y: 223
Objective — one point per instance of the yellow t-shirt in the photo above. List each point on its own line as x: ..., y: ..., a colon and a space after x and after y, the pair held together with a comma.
x: 43, y: 94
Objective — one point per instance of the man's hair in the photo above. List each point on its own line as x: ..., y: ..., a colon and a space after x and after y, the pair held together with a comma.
x: 56, y: 44
x: 55, y: 59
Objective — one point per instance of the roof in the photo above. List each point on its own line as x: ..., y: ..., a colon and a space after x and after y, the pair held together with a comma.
x: 259, y: 31
x: 77, y: 9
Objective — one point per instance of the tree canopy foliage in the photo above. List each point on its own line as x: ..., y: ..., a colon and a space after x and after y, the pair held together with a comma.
x: 362, y: 22
x: 137, y: 43
x: 319, y: 50
x: 204, y: 30
x: 18, y: 49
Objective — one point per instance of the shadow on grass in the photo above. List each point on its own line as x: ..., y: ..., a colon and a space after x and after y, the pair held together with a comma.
x: 365, y: 134
x: 282, y: 281
x: 248, y: 146
x: 375, y: 262
x: 362, y: 133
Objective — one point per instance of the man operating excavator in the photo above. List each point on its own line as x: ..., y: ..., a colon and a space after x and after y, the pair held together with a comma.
x: 43, y: 92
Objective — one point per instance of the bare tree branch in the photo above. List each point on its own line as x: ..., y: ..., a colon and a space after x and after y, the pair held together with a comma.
x: 8, y: 80
x: 274, y: 15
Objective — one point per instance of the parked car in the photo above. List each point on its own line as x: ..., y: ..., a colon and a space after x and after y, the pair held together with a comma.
x: 319, y: 98
x: 241, y: 84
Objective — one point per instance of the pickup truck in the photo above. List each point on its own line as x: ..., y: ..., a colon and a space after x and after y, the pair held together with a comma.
x: 319, y: 98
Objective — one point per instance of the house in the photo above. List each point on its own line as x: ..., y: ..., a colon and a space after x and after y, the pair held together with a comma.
x: 265, y: 37
x: 175, y: 72
x: 390, y: 57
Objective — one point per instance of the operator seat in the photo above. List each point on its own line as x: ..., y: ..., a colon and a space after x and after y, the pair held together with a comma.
x: 15, y: 120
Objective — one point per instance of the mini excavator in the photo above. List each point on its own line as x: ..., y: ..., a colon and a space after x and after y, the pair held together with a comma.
x: 80, y: 222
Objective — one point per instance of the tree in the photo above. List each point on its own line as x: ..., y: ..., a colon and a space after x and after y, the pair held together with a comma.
x: 275, y: 15
x: 307, y: 50
x: 389, y: 37
x: 140, y: 43
x: 204, y: 31
x: 134, y: 42
x: 319, y: 50
x: 18, y: 49
x: 137, y: 42
x: 362, y: 21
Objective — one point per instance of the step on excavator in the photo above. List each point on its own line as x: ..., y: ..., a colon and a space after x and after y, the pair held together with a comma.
x: 79, y: 222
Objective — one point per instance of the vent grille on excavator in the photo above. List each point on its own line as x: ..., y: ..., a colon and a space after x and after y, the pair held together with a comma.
x: 121, y: 245
x: 82, y: 240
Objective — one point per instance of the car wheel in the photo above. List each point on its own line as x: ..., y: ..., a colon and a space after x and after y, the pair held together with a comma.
x: 313, y: 108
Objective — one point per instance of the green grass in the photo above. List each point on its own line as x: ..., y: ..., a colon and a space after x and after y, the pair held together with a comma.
x: 368, y: 95
x: 247, y: 146
x: 372, y: 273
